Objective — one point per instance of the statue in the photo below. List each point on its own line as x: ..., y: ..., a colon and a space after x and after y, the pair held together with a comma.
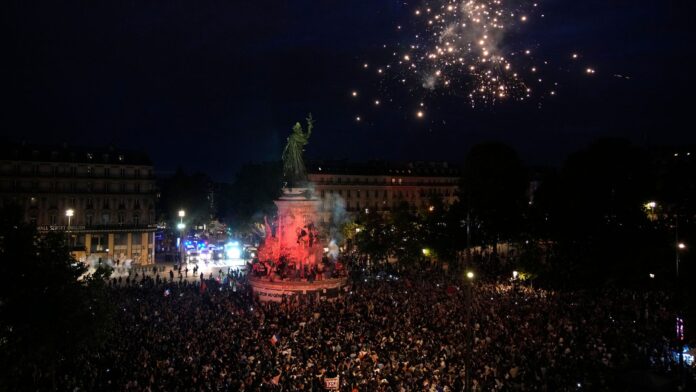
x: 294, y: 169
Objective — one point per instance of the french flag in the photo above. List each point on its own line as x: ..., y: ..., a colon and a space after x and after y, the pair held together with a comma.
x: 274, y: 339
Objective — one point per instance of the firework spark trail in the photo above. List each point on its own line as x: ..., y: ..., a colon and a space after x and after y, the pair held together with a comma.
x: 470, y: 48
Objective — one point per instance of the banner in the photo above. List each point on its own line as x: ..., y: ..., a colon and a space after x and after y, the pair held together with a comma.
x: 332, y: 383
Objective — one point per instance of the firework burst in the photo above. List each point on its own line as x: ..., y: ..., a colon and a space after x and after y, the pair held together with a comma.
x: 465, y: 46
x: 469, y: 48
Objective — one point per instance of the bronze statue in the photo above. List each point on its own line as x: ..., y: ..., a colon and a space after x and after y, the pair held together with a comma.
x: 294, y: 169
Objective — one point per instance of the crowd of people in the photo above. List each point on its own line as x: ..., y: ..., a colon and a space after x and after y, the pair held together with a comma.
x: 283, y: 270
x: 405, y: 332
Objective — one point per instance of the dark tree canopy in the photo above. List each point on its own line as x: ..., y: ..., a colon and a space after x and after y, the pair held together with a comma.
x: 190, y: 192
x: 49, y: 311
x: 493, y: 189
x: 251, y: 195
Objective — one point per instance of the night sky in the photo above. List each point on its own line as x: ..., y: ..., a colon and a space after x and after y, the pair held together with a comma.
x: 211, y: 85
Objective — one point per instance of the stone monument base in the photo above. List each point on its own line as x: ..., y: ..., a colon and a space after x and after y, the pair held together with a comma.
x: 268, y: 290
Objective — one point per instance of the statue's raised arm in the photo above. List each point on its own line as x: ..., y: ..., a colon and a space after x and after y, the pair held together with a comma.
x: 310, y: 125
x: 294, y: 169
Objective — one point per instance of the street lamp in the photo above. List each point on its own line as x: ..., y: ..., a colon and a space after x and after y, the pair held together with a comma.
x: 470, y: 332
x: 69, y: 213
x: 181, y: 226
x: 680, y: 321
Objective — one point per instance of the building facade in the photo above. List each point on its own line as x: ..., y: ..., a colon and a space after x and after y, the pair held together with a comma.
x: 103, y: 199
x: 380, y: 186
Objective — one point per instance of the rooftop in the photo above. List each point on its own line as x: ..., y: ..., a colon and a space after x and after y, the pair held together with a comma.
x: 416, y: 169
x: 71, y: 154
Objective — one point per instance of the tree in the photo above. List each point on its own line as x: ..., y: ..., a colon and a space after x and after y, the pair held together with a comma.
x: 251, y: 195
x: 443, y: 232
x: 596, y: 221
x: 190, y: 192
x: 493, y: 190
x: 49, y: 311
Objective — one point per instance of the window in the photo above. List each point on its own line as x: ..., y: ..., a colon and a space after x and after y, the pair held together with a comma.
x: 107, y: 172
x: 136, y: 219
x: 105, y: 204
x: 89, y: 170
x: 137, y: 173
x: 121, y: 218
x: 105, y: 219
x: 53, y: 219
x: 123, y: 172
x: 357, y: 194
x: 136, y: 204
x: 137, y: 187
x: 88, y: 219
x: 348, y: 193
x: 123, y: 187
x: 89, y: 204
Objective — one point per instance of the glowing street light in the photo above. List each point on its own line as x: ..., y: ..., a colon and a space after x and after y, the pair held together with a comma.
x: 652, y: 276
x: 515, y: 274
x: 681, y: 245
x: 181, y: 226
x: 470, y: 330
x: 69, y: 213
